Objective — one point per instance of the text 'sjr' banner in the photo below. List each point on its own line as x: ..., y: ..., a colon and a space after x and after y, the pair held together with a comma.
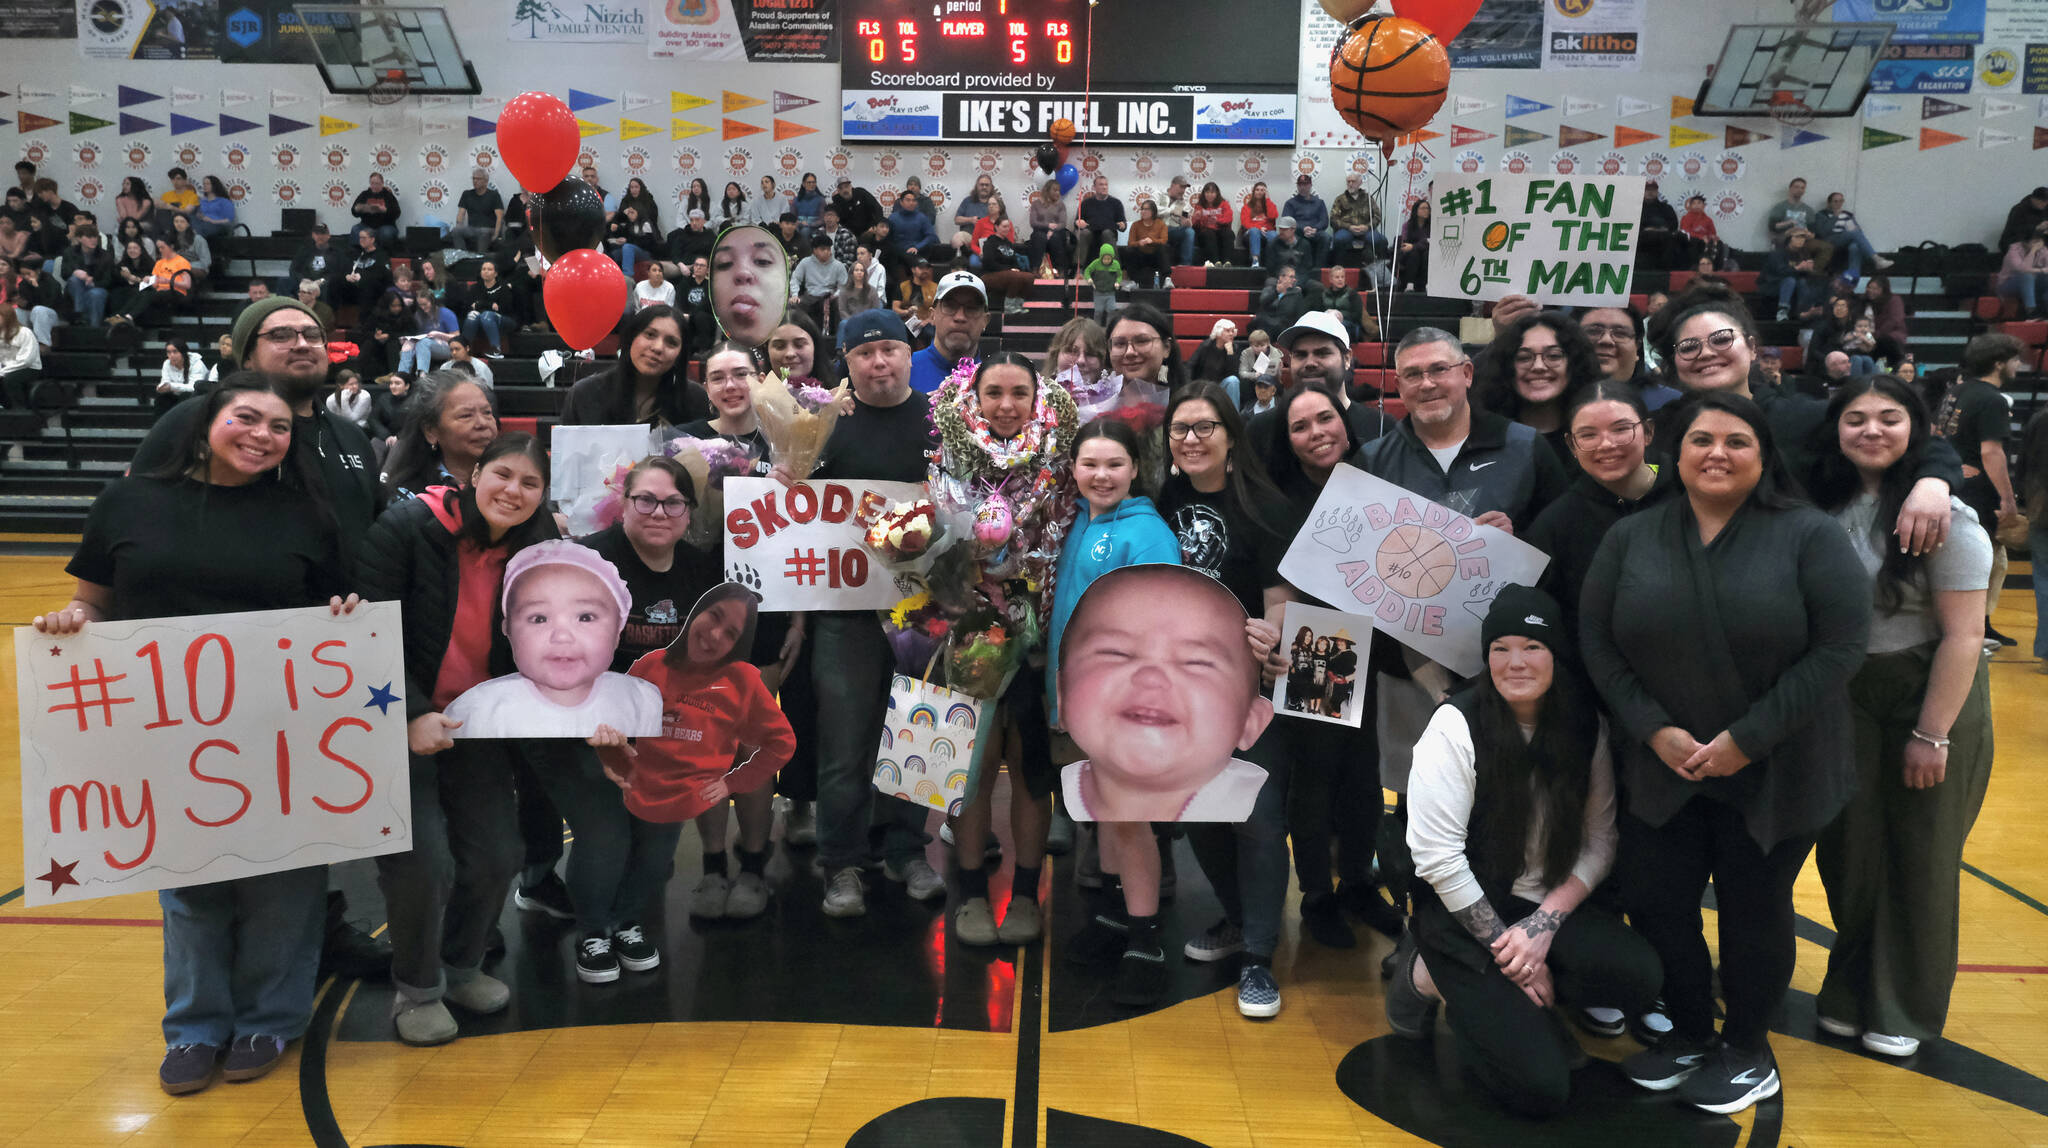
x: 179, y: 751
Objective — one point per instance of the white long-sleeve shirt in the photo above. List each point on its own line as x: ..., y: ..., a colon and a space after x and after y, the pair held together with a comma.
x: 645, y: 293
x: 1442, y: 786
x: 184, y: 381
x: 20, y: 352
x: 356, y: 410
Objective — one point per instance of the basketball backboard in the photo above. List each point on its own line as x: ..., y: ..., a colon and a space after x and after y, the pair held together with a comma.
x: 1793, y: 70
x: 385, y: 51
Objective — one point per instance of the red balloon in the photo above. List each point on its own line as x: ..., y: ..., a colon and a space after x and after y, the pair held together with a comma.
x: 585, y: 294
x: 1446, y: 18
x: 538, y: 138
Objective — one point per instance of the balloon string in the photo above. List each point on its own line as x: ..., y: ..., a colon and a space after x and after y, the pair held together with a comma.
x: 1087, y: 106
x: 1383, y: 300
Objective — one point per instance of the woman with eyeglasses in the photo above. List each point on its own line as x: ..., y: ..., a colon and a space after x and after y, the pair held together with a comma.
x: 1721, y: 628
x: 1146, y: 367
x: 1608, y: 431
x: 1617, y: 337
x: 449, y: 420
x: 1533, y: 369
x: 1233, y: 524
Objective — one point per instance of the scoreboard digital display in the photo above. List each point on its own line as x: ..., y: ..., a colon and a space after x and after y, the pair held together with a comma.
x: 1005, y: 70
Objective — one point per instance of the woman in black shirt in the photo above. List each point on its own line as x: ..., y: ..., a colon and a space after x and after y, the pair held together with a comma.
x: 494, y: 309
x: 1533, y: 370
x: 631, y: 237
x: 236, y: 522
x: 647, y: 385
x: 1608, y: 430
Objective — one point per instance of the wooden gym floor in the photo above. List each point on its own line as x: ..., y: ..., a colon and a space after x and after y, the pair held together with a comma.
x: 796, y: 1030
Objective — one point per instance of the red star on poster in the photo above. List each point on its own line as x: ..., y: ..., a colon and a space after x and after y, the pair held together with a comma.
x: 55, y: 650
x: 386, y: 831
x: 59, y: 876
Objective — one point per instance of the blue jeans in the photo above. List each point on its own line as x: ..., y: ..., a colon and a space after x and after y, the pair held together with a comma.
x: 422, y: 357
x: 852, y: 666
x: 1862, y: 364
x: 1255, y: 238
x: 41, y: 320
x: 1247, y: 863
x: 446, y: 893
x: 495, y: 323
x: 618, y: 863
x: 1858, y: 245
x: 240, y: 957
x: 630, y: 254
x: 212, y: 229
x: 1343, y: 237
x: 1230, y: 387
x: 2037, y: 545
x: 1181, y: 241
x: 2028, y: 287
x: 91, y: 302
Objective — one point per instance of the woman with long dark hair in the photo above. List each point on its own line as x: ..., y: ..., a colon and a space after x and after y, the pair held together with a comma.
x: 1261, y: 217
x: 732, y: 206
x: 1411, y: 259
x: 450, y: 420
x: 1533, y: 370
x: 1920, y: 705
x: 1608, y: 432
x: 1511, y: 824
x: 698, y: 198
x: 1211, y: 220
x: 182, y: 374
x: 647, y: 384
x: 443, y: 555
x: 1724, y: 656
x: 235, y: 521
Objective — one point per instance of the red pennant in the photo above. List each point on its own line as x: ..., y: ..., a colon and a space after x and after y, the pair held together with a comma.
x: 31, y: 122
x: 1569, y: 136
x: 1933, y: 138
x: 1462, y: 135
x: 1626, y: 136
x: 1736, y: 137
x: 734, y: 129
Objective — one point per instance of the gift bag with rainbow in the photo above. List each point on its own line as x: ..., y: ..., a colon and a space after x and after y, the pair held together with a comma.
x: 931, y: 751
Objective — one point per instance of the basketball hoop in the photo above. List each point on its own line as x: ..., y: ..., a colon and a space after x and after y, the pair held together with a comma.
x: 391, y: 88
x: 1789, y: 110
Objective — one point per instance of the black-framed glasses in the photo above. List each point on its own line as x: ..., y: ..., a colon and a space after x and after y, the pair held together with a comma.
x: 1435, y: 372
x: 1553, y: 356
x: 1200, y: 430
x: 1720, y: 340
x: 286, y: 336
x: 1615, y: 331
x: 674, y: 506
x: 1136, y: 343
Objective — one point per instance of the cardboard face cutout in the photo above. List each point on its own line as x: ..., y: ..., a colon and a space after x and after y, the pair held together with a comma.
x: 749, y: 284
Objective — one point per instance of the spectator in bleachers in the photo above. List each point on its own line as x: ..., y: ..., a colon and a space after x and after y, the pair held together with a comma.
x: 376, y: 210
x: 1887, y: 311
x: 387, y: 412
x: 857, y: 208
x: 1145, y: 257
x: 1215, y: 361
x: 693, y: 300
x: 1795, y: 274
x: 1210, y: 218
x: 994, y: 213
x: 60, y: 213
x: 135, y: 202
x: 1770, y: 365
x: 1336, y: 294
x: 637, y: 195
x: 1288, y: 247
x: 462, y: 357
x: 1826, y: 330
x: 1052, y: 238
x: 858, y: 294
x: 38, y: 301
x: 647, y: 384
x: 2026, y: 216
x: 258, y: 291
x: 815, y: 282
x: 697, y: 198
x: 479, y: 214
x: 654, y: 289
x: 308, y: 296
x: 21, y: 360
x: 1703, y: 239
x: 1281, y: 303
x: 589, y: 174
x: 43, y: 239
x: 845, y: 244
x: 15, y: 207
x: 1617, y: 338
x: 1790, y: 212
x: 959, y: 316
x: 1659, y: 242
x: 88, y: 275
x: 915, y: 296
x: 2024, y: 274
x: 1260, y: 219
x: 133, y: 267
x: 216, y: 215
x: 381, y: 332
x: 1259, y: 362
x: 182, y: 374
x: 733, y: 205
x: 427, y: 344
x: 910, y: 236
x: 688, y: 243
x: 133, y: 229
x: 1411, y: 252
x: 1975, y: 416
x: 930, y: 210
x: 790, y: 233
x: 13, y: 240
x: 1005, y: 270
x: 1102, y: 216
x: 1178, y: 214
x: 1104, y: 274
x: 432, y: 281
x: 319, y: 260
x: 188, y: 242
x: 631, y: 237
x: 349, y: 400
x: 1311, y: 219
x: 25, y: 175
x: 183, y: 197
x: 519, y: 215
x: 1836, y: 225
x: 808, y: 202
x: 768, y: 205
x: 367, y: 274
x: 1869, y: 352
x: 1355, y: 223
x: 495, y: 312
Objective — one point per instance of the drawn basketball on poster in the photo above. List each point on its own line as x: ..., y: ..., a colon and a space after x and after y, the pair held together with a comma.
x: 1566, y: 163
x: 1656, y: 165
x: 1729, y: 165
x: 1611, y: 163
x: 1415, y: 562
x: 87, y: 153
x: 234, y: 155
x: 1515, y: 161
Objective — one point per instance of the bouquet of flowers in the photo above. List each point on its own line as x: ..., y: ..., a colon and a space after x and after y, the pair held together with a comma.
x: 917, y: 630
x: 1092, y: 397
x: 905, y: 532
x: 985, y: 648
x: 723, y: 458
x: 796, y: 416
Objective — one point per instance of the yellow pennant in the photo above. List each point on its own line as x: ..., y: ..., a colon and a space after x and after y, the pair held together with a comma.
x: 684, y: 129
x: 1681, y: 136
x: 586, y: 129
x: 634, y: 129
x: 331, y: 126
x: 685, y: 102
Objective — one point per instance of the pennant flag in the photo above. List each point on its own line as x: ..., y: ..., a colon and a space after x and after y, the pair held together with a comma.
x: 584, y: 101
x: 786, y: 102
x: 1467, y: 105
x: 587, y: 129
x: 437, y: 101
x: 1882, y: 106
x: 230, y: 125
x: 1993, y: 106
x: 1988, y: 138
x: 234, y: 97
x: 1574, y: 106
x: 1931, y: 138
x: 1733, y: 136
x: 479, y: 126
x: 1418, y: 136
x: 1462, y: 135
x: 136, y: 125
x: 31, y: 122
x: 432, y: 126
x: 1931, y: 108
x: 81, y: 123
x: 485, y: 103
x: 336, y: 99
x: 1631, y: 106
x: 330, y: 126
x: 735, y: 102
x: 129, y: 97
x: 184, y: 125
x: 734, y: 129
x: 786, y: 130
x: 1682, y: 136
x: 283, y: 99
x: 1681, y: 106
x: 27, y: 93
x: 685, y: 102
x: 1569, y: 136
x: 282, y: 126
x: 634, y: 129
x: 1626, y: 136
x: 4, y: 121
x: 1517, y: 136
x: 634, y: 101
x: 80, y: 94
x: 2040, y: 134
x: 1878, y: 137
x: 684, y: 129
x: 1800, y: 138
x: 1517, y: 106
x: 184, y: 97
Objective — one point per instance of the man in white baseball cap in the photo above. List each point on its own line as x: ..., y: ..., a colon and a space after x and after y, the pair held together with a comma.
x: 959, y: 315
x: 1318, y: 352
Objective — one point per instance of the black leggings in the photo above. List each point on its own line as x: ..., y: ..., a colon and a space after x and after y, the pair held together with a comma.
x: 1667, y: 867
x: 1333, y: 795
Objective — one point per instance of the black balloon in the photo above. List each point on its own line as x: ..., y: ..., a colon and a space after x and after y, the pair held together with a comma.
x: 571, y: 217
x: 1048, y: 158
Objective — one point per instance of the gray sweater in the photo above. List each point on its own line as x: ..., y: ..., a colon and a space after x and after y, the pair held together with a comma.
x: 1757, y: 633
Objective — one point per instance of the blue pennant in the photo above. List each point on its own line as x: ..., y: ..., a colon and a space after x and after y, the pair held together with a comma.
x: 229, y: 125
x: 186, y: 125
x: 132, y: 124
x: 1801, y: 138
x: 580, y: 101
x: 129, y: 97
x: 280, y: 125
x: 1517, y: 106
x: 481, y: 127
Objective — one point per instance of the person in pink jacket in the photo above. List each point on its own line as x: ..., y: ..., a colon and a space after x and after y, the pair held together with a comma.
x: 2024, y: 274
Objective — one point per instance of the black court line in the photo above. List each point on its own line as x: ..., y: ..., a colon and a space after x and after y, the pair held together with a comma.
x: 1024, y: 1111
x: 2004, y: 888
x: 314, y: 1103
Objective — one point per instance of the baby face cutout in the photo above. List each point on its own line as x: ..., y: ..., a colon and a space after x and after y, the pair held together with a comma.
x: 564, y: 625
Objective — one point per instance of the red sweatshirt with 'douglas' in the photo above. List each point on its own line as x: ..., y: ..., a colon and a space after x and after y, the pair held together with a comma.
x: 706, y: 716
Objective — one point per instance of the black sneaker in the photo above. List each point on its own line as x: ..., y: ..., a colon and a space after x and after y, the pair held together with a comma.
x: 1991, y: 635
x: 1140, y: 979
x: 351, y: 954
x: 634, y: 951
x: 1601, y: 1021
x: 1101, y: 940
x: 1666, y: 1066
x: 1409, y: 1013
x: 1651, y: 1028
x: 1258, y: 994
x: 1373, y: 910
x: 595, y: 962
x: 1322, y: 918
x: 252, y: 1056
x: 550, y: 896
x: 188, y: 1068
x: 1730, y: 1080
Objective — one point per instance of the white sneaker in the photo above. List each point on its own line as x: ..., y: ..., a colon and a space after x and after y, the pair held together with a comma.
x: 846, y: 896
x: 1839, y: 1027
x: 1884, y: 1044
x: 1167, y: 284
x: 749, y: 897
x: 1881, y: 263
x: 918, y: 878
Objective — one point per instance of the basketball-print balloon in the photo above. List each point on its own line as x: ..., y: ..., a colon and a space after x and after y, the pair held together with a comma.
x: 1063, y: 131
x: 1345, y: 11
x: 1415, y: 562
x: 1388, y: 76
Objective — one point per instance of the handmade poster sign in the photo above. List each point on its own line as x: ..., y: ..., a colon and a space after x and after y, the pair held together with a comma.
x: 1159, y: 686
x: 1556, y: 239
x: 1325, y: 652
x: 1425, y: 572
x: 803, y: 547
x: 580, y: 461
x: 180, y: 751
x: 565, y: 606
x: 749, y: 283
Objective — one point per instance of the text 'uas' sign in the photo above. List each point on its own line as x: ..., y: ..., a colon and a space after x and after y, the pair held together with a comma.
x: 1556, y: 239
x: 180, y: 751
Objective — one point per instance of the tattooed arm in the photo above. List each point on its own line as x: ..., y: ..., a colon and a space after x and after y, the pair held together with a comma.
x: 1522, y: 948
x: 1481, y: 921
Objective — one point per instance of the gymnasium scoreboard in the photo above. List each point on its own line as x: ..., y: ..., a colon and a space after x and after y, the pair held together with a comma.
x: 1193, y: 71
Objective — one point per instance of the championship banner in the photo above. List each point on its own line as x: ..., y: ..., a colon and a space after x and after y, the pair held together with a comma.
x: 1557, y: 240
x: 181, y: 751
x: 1424, y: 572
x: 802, y: 547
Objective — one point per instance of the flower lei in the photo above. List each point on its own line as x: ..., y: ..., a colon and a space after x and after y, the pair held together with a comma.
x: 966, y: 441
